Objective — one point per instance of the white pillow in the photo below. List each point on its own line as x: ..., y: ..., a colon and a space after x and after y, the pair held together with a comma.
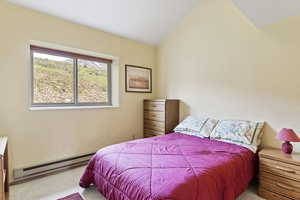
x: 197, y: 126
x: 241, y: 132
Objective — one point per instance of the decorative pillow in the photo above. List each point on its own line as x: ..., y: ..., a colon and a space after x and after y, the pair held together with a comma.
x: 209, y: 126
x: 201, y: 127
x: 241, y: 132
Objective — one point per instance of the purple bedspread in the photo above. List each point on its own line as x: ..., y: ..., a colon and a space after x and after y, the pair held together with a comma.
x: 174, y: 166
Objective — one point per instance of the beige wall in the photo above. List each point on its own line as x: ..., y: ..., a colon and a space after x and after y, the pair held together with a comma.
x: 222, y: 66
x: 41, y: 136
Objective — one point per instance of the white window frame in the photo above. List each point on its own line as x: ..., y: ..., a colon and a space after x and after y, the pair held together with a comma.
x: 114, y: 87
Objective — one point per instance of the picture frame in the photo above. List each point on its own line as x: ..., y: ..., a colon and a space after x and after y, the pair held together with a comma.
x: 138, y: 79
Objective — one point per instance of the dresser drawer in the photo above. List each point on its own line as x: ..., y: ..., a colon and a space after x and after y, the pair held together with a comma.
x: 280, y: 168
x: 280, y: 185
x: 149, y: 135
x: 154, y: 106
x: 154, y: 125
x: 152, y: 132
x: 271, y: 195
x: 154, y: 115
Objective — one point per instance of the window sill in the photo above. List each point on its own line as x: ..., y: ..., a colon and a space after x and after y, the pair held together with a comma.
x: 70, y: 108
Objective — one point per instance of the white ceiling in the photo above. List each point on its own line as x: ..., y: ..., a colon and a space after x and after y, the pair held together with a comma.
x: 146, y: 21
x: 149, y: 21
x: 262, y: 12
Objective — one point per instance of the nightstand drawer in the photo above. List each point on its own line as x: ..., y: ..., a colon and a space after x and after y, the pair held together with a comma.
x: 154, y: 125
x: 280, y: 185
x: 280, y: 168
x: 154, y: 106
x: 152, y: 115
x: 271, y: 195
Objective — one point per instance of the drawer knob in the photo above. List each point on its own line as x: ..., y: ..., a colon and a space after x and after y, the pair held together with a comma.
x: 286, y: 170
x: 285, y: 187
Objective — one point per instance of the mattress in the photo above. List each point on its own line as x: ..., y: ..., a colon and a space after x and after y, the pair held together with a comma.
x: 174, y: 166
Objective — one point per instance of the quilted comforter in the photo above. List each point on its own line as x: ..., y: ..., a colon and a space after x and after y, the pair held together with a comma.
x: 174, y: 166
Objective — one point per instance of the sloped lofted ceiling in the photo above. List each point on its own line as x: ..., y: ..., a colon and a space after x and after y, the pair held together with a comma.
x: 149, y: 21
x: 146, y: 21
x: 262, y: 12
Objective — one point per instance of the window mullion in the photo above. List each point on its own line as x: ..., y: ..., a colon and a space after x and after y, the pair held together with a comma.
x: 109, y: 84
x: 75, y: 82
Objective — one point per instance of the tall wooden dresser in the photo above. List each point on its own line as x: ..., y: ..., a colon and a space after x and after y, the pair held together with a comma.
x: 161, y: 116
x: 279, y: 175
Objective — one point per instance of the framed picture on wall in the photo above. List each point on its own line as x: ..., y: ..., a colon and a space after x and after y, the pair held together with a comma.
x: 138, y: 79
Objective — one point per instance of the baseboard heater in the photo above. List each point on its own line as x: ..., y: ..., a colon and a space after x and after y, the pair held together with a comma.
x: 28, y: 173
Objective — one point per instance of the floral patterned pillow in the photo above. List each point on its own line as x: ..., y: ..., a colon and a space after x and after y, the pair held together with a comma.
x: 201, y: 127
x: 241, y: 132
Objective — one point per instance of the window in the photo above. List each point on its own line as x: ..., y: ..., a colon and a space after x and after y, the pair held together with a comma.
x: 62, y: 78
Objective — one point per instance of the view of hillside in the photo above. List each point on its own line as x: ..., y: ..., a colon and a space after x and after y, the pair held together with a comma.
x: 53, y: 81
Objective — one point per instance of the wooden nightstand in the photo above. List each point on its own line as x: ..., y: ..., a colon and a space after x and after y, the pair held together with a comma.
x: 279, y: 175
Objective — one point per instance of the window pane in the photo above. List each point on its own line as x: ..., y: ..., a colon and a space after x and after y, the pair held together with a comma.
x: 52, y: 79
x: 92, y: 82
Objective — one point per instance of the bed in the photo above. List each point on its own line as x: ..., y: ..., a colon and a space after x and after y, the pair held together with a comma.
x: 174, y: 166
